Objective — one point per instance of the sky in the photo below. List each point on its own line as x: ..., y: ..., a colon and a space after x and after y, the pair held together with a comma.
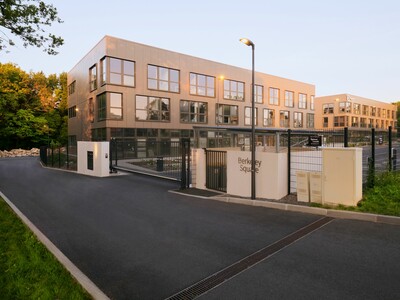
x: 340, y: 46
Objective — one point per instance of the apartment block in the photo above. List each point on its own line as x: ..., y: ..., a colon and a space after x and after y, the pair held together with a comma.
x: 124, y: 89
x: 345, y: 110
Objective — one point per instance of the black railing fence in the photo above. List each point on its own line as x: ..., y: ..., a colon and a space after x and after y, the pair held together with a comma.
x: 61, y: 157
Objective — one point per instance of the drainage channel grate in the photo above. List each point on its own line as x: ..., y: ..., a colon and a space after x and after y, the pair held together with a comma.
x: 216, y: 279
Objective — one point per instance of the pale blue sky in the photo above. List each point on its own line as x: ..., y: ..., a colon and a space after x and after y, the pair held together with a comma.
x: 341, y: 46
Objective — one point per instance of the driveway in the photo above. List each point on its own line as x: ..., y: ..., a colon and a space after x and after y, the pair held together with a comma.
x: 135, y: 240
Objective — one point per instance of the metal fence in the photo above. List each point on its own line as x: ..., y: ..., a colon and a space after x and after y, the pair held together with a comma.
x: 63, y: 157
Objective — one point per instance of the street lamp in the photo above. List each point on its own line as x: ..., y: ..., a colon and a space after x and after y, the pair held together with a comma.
x: 253, y: 130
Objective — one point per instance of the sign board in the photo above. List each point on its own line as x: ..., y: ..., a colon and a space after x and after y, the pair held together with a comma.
x: 314, y: 141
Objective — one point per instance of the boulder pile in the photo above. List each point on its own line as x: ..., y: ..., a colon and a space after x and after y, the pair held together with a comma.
x: 20, y: 152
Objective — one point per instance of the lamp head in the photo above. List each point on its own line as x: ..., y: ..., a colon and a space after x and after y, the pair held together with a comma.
x: 247, y: 42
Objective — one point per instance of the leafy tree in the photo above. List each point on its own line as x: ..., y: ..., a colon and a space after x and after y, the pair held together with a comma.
x: 33, y: 108
x: 26, y: 20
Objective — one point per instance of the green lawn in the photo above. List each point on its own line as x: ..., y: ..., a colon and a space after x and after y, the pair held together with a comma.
x: 27, y: 269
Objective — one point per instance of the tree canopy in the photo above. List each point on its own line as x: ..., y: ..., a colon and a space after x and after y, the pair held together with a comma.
x: 27, y: 19
x: 33, y: 108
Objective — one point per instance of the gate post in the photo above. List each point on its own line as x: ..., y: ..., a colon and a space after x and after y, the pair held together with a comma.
x: 346, y: 137
x: 390, y: 149
x: 183, y: 164
x: 288, y: 161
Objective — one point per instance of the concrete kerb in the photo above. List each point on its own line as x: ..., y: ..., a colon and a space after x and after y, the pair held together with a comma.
x: 83, y: 280
x: 339, y: 214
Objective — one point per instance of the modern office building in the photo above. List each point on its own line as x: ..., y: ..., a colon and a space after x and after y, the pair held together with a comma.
x: 123, y: 89
x: 344, y: 110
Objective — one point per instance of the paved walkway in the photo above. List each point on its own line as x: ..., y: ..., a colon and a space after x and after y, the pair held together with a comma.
x: 135, y: 240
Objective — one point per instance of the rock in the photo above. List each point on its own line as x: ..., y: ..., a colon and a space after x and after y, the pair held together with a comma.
x: 20, y: 153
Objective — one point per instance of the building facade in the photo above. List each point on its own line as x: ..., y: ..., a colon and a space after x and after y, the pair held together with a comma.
x: 344, y: 110
x: 123, y: 89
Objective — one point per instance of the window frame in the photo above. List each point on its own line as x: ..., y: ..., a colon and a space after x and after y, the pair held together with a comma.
x: 247, y: 119
x: 265, y: 122
x: 197, y: 113
x: 287, y: 100
x: 93, y: 78
x: 206, y: 87
x: 230, y: 90
x: 159, y: 81
x: 223, y: 116
x: 302, y: 101
x: 296, y: 118
x: 159, y: 111
x: 275, y: 98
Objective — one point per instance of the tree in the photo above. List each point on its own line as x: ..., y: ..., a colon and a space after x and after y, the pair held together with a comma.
x: 26, y: 20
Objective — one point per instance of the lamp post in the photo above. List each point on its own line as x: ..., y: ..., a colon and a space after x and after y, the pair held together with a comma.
x: 253, y: 130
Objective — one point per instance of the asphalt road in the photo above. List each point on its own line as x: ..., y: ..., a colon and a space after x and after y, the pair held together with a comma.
x: 136, y: 240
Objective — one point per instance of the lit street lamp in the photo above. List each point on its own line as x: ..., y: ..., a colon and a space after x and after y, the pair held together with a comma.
x: 253, y: 131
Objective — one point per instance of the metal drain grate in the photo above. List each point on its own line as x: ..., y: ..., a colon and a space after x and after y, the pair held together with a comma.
x: 216, y: 279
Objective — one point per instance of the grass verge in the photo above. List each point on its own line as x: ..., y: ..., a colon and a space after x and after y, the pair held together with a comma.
x: 27, y: 269
x: 383, y: 198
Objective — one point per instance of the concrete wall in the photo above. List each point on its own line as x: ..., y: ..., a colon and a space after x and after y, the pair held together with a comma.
x: 271, y: 174
x: 101, y: 159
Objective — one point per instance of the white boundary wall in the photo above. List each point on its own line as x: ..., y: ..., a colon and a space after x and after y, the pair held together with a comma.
x: 101, y: 160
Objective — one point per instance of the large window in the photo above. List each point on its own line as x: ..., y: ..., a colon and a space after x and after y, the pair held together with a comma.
x: 297, y: 119
x: 101, y: 101
x: 310, y: 121
x: 258, y: 93
x: 325, y: 122
x: 152, y: 108
x: 227, y: 114
x: 71, y: 88
x: 202, y: 85
x: 193, y: 112
x: 233, y: 90
x: 284, y: 118
x: 109, y: 106
x: 327, y: 108
x: 247, y: 115
x: 117, y: 71
x: 91, y: 110
x: 341, y: 121
x: 72, y: 112
x: 163, y: 79
x: 302, y: 100
x: 312, y: 100
x: 93, y: 78
x: 344, y: 107
x: 365, y: 110
x: 356, y: 109
x: 273, y: 96
x: 289, y: 97
x: 269, y: 117
x: 373, y: 111
x: 354, y: 122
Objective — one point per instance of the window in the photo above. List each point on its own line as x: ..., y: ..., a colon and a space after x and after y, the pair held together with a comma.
x: 312, y: 102
x: 163, y: 79
x: 101, y: 101
x: 289, y: 96
x: 247, y: 115
x: 325, y: 122
x: 284, y: 118
x: 258, y: 93
x: 202, y: 85
x: 341, y: 121
x: 121, y: 71
x: 103, y: 70
x: 365, y: 110
x: 193, y: 112
x: 115, y: 106
x: 344, y: 107
x: 354, y: 121
x: 91, y: 110
x: 356, y: 108
x: 373, y: 111
x: 379, y: 113
x: 327, y: 108
x: 371, y: 123
x: 93, y: 77
x: 302, y: 101
x: 383, y: 113
x: 72, y: 112
x: 310, y: 121
x: 269, y: 117
x: 227, y: 114
x: 71, y: 88
x: 109, y: 106
x: 273, y: 96
x: 297, y: 119
x: 152, y: 109
x: 233, y: 90
x: 363, y: 122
